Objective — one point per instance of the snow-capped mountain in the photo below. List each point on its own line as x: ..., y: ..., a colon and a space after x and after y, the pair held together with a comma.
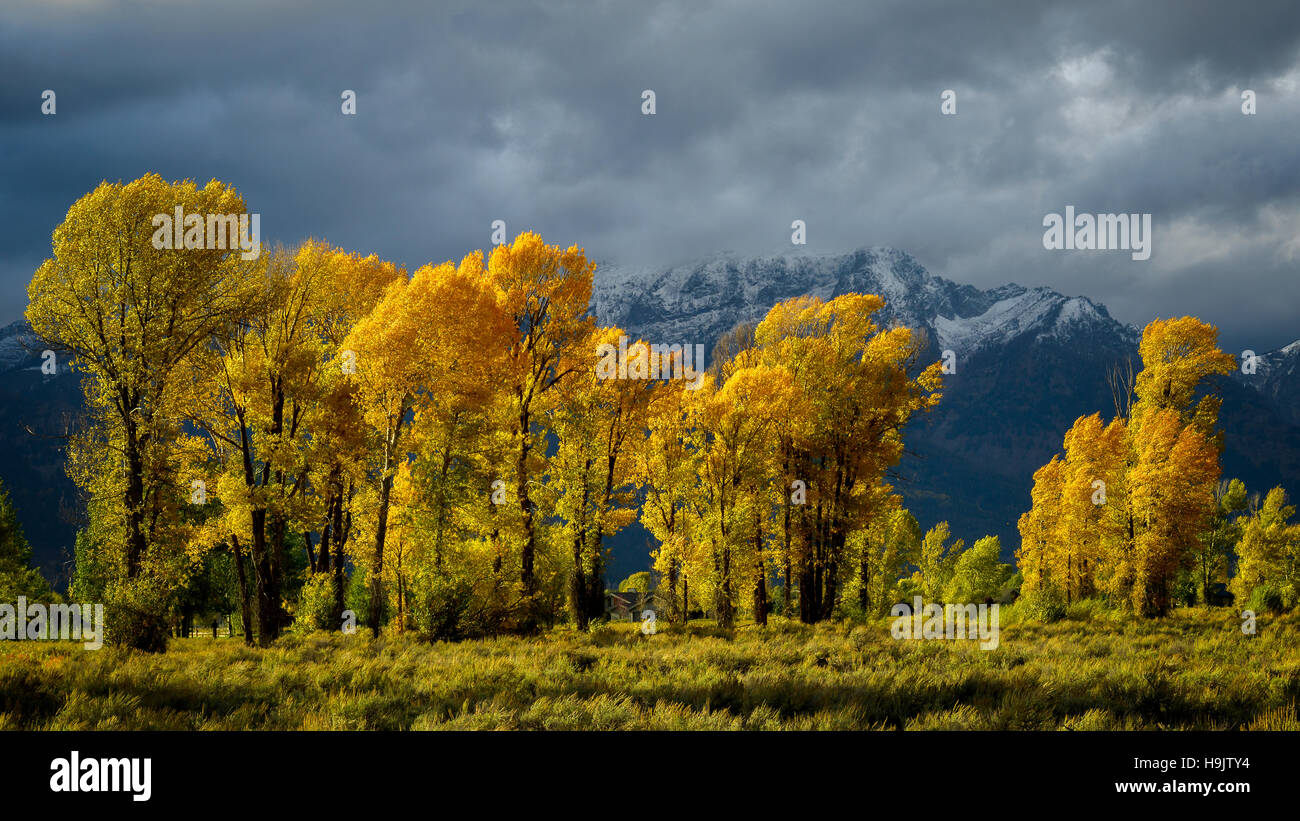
x: 702, y: 300
x: 1018, y: 311
x: 1277, y: 377
x: 18, y: 346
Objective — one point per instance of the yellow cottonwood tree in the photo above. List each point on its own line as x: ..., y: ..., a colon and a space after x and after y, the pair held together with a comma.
x: 1160, y: 467
x: 1090, y: 476
x: 666, y: 468
x: 738, y: 422
x: 129, y: 314
x: 598, y: 428
x: 544, y: 291
x: 350, y: 287
x: 271, y: 397
x: 1039, y: 533
x: 854, y: 396
x: 426, y: 337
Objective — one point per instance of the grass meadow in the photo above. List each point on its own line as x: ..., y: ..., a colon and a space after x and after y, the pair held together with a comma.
x: 1089, y: 671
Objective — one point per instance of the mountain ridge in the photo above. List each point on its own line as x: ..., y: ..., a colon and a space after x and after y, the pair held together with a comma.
x: 665, y: 302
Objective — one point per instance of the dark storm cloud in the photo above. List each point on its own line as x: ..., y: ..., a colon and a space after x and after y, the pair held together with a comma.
x: 767, y: 112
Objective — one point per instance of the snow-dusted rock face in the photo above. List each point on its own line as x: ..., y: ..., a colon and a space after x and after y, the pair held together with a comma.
x: 1038, y: 312
x: 1277, y: 379
x: 19, y: 347
x: 704, y: 299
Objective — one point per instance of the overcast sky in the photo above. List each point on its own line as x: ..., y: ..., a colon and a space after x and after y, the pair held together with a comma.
x: 766, y: 113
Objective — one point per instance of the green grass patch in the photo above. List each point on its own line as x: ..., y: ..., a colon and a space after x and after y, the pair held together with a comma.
x: 1193, y: 670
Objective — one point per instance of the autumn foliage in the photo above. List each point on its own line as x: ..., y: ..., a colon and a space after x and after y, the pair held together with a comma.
x: 442, y: 452
x: 1123, y: 512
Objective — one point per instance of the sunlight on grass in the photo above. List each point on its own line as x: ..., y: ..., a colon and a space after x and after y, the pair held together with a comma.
x: 1193, y: 670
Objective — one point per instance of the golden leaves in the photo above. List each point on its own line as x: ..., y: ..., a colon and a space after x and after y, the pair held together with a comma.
x: 1155, y: 472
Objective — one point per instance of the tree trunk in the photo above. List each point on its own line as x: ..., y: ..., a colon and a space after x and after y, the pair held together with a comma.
x: 864, y: 580
x: 377, y: 563
x: 381, y: 526
x: 441, y: 524
x: 525, y: 506
x: 832, y: 576
x: 596, y: 579
x: 686, y: 600
x: 722, y: 599
x: 245, y: 606
x: 579, y: 591
x: 806, y: 588
x: 760, y: 569
x: 277, y: 530
x: 339, y: 531
x: 578, y: 585
x: 278, y: 526
x: 401, y: 592
x: 268, y: 600
x: 340, y: 541
x: 674, y: 614
x: 136, y: 541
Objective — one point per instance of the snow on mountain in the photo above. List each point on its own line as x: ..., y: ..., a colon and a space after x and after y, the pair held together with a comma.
x: 701, y: 300
x: 19, y: 347
x: 1277, y: 378
x: 1280, y: 362
x: 1039, y: 311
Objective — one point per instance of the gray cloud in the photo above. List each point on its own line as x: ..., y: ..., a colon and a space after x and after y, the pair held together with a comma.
x: 766, y: 113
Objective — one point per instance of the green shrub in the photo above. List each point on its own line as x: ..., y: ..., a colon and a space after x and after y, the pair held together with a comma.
x: 441, y: 606
x: 640, y: 582
x: 1011, y: 588
x: 357, y: 598
x: 135, y: 615
x: 1290, y: 595
x: 1186, y: 589
x: 1086, y: 610
x: 1266, y: 598
x: 977, y: 575
x: 1045, y: 604
x: 316, y: 603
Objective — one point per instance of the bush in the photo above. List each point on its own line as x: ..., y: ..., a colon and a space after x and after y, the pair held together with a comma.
x: 135, y: 615
x: 1011, y: 588
x: 1290, y: 595
x: 1186, y: 589
x: 1045, y: 604
x: 1087, y: 610
x: 357, y: 598
x: 440, y: 608
x: 639, y: 582
x: 316, y: 603
x: 1266, y: 598
x: 978, y: 575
